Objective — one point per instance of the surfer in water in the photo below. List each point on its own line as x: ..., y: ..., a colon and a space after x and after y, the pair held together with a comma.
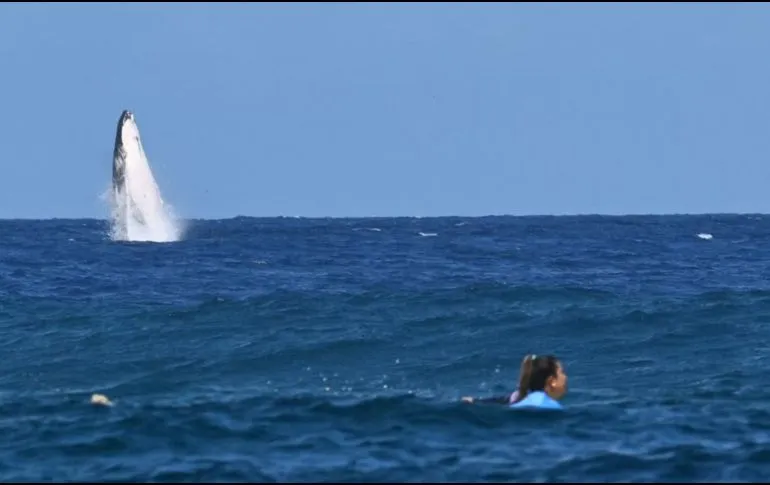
x: 541, y: 378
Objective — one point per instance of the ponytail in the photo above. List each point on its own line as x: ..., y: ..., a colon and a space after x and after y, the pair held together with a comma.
x: 525, y: 375
x: 535, y: 372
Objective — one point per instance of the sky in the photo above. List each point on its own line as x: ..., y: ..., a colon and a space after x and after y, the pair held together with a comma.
x: 390, y: 109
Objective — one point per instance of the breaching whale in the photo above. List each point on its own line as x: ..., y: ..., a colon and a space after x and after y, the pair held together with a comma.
x: 138, y: 210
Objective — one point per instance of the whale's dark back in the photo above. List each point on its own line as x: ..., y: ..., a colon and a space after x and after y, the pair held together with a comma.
x: 117, y: 155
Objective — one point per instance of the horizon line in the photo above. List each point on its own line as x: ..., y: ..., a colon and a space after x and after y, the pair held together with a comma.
x: 447, y: 216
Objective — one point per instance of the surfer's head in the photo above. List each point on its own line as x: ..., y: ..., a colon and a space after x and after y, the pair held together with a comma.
x: 542, y: 373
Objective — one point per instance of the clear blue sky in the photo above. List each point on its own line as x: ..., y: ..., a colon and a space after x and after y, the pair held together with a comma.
x: 379, y: 110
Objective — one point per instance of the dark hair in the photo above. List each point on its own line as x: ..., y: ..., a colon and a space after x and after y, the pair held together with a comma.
x: 535, y: 372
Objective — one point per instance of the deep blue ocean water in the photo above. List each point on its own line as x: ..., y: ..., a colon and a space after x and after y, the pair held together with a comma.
x: 338, y: 349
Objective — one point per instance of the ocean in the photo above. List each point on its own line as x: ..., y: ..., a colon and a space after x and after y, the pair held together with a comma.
x: 337, y: 350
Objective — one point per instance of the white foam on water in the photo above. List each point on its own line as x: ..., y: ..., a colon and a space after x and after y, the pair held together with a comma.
x: 705, y: 235
x: 138, y: 212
